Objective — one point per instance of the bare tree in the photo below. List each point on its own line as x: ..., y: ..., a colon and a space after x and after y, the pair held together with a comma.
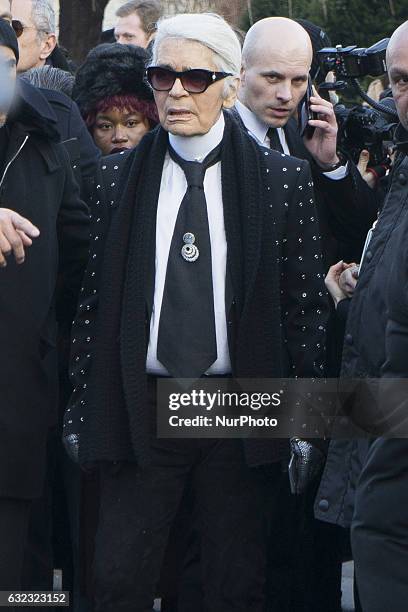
x: 81, y: 25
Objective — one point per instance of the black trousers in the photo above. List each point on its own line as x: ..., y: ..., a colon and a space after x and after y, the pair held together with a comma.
x: 14, y: 514
x: 379, y: 533
x: 138, y: 507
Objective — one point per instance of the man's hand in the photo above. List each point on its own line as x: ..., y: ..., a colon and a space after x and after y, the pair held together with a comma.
x: 16, y: 233
x: 367, y: 175
x: 348, y: 279
x: 332, y: 282
x: 323, y: 144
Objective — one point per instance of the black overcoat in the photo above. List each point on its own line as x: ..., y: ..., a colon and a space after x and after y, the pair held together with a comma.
x: 37, y: 182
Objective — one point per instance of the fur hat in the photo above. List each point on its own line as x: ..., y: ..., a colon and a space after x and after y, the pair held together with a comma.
x: 113, y: 70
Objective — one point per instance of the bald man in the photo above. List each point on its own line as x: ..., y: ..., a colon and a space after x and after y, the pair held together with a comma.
x: 277, y: 56
x: 380, y: 524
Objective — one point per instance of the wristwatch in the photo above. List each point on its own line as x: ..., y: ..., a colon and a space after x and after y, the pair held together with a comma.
x: 342, y: 162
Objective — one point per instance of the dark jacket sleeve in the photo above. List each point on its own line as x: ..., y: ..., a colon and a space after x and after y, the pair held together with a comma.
x: 73, y: 239
x: 353, y: 205
x: 103, y: 201
x: 305, y: 300
x: 305, y: 304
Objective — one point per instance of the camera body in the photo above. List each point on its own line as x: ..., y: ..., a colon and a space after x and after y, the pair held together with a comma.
x: 354, y: 62
x: 361, y: 127
x: 365, y: 128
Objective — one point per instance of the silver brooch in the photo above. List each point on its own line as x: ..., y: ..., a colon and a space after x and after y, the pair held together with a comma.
x: 189, y: 251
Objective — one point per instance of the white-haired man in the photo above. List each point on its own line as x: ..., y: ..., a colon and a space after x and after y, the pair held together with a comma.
x: 211, y: 268
x: 36, y: 31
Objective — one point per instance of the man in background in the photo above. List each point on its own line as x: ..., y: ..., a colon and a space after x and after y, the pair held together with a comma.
x: 137, y: 21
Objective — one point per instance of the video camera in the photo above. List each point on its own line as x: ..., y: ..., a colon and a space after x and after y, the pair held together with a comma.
x: 361, y: 127
x: 354, y: 62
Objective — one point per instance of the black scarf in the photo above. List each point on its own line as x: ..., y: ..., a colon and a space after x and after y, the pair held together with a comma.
x: 117, y: 425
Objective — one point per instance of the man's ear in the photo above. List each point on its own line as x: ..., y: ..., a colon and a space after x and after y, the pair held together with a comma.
x: 47, y: 47
x: 232, y: 93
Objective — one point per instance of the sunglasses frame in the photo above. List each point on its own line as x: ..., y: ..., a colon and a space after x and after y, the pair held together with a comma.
x: 19, y: 28
x: 212, y: 77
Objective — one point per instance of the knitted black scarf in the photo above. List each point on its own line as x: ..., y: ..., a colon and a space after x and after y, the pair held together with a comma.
x: 117, y: 425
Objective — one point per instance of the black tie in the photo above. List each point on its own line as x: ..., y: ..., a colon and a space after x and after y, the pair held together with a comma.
x: 274, y: 140
x: 187, y: 344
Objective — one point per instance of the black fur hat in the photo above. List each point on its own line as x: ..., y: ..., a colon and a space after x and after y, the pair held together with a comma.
x: 112, y: 70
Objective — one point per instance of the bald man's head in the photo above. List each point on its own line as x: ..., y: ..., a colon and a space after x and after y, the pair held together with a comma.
x: 397, y: 63
x: 276, y: 60
x: 277, y: 37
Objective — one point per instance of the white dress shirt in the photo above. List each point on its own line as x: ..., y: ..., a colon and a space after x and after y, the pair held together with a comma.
x: 258, y: 130
x: 172, y: 190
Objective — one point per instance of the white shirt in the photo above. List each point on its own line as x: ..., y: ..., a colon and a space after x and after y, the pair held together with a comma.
x: 172, y: 189
x: 258, y: 130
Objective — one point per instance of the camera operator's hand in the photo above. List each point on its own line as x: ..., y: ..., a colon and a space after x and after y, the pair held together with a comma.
x: 16, y: 233
x: 366, y: 173
x: 323, y: 143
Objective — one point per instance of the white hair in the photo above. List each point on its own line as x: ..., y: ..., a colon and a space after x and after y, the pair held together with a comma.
x: 210, y: 30
x: 43, y: 16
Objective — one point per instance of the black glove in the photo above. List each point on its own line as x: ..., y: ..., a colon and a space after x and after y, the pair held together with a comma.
x: 71, y: 445
x: 305, y: 465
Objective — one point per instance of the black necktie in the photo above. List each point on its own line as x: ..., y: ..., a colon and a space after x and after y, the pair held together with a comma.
x: 274, y: 140
x: 187, y: 340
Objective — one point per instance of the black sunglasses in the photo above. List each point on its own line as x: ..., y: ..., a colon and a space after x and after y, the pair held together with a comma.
x: 196, y: 80
x: 19, y: 28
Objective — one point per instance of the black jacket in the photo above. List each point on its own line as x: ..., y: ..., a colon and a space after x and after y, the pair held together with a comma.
x: 346, y: 208
x: 304, y: 300
x: 37, y: 183
x: 364, y: 352
x: 83, y: 152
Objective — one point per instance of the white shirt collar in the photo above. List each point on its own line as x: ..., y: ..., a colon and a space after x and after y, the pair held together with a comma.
x: 196, y: 148
x: 254, y: 125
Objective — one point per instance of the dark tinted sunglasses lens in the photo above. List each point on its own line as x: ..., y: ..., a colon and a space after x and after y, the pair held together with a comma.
x: 196, y: 81
x: 17, y: 27
x: 161, y: 79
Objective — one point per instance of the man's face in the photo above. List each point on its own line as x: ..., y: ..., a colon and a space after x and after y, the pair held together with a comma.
x: 398, y: 72
x: 116, y: 130
x: 183, y: 113
x: 273, y: 87
x: 34, y: 46
x: 8, y: 74
x: 5, y: 10
x: 129, y: 31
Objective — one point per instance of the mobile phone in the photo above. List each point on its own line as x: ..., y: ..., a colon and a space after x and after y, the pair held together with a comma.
x: 305, y: 113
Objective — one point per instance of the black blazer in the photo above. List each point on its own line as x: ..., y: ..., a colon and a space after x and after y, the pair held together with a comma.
x: 346, y: 208
x: 304, y: 304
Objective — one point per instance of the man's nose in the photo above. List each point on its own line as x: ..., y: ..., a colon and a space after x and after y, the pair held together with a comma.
x: 284, y: 92
x: 177, y: 90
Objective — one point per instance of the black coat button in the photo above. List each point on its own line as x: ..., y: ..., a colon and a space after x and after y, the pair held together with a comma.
x: 368, y: 256
x: 402, y: 179
x: 349, y: 339
x: 324, y: 505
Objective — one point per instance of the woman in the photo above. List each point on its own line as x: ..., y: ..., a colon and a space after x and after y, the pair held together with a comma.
x: 115, y: 101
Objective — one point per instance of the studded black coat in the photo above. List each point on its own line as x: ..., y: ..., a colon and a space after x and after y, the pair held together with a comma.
x: 303, y: 299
